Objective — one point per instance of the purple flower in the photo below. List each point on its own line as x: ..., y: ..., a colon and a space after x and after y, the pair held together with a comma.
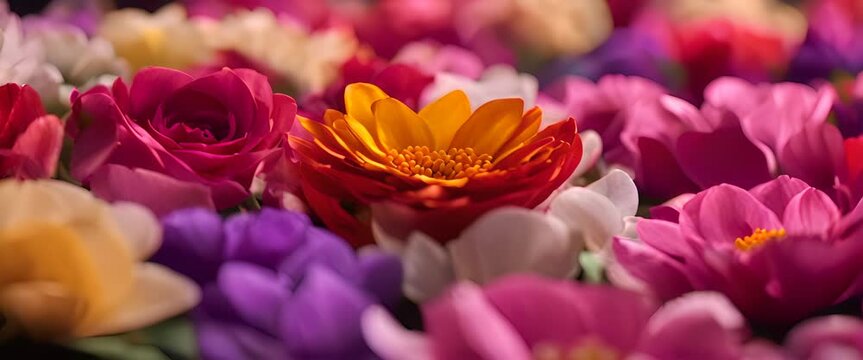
x: 832, y: 43
x: 626, y: 52
x: 526, y: 317
x: 780, y: 251
x: 275, y: 286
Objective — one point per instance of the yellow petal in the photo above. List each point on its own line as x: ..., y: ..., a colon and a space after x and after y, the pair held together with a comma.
x: 331, y: 116
x: 445, y: 116
x: 157, y: 294
x: 490, y: 126
x: 364, y: 135
x: 359, y: 98
x: 399, y: 127
x: 530, y: 123
x: 139, y: 227
x: 41, y: 310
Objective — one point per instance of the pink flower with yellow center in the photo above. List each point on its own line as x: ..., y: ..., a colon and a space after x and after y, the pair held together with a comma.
x: 766, y: 249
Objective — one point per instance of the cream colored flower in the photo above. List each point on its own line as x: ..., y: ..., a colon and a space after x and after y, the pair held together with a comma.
x: 551, y: 27
x: 71, y: 265
x: 165, y: 38
x: 309, y: 60
x: 768, y: 15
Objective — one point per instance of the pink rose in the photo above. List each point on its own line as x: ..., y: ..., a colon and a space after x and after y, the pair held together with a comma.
x: 30, y: 140
x: 172, y: 140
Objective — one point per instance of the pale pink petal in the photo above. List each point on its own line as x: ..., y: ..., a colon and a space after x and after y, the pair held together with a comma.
x: 592, y: 145
x: 391, y: 341
x: 695, y: 326
x: 619, y: 188
x: 428, y: 269
x: 514, y: 240
x: 590, y: 216
x: 486, y: 331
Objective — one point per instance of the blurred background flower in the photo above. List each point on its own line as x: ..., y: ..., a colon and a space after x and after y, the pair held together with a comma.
x: 275, y: 286
x: 73, y: 266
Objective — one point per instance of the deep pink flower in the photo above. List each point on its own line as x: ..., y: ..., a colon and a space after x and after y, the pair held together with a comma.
x: 30, y: 140
x: 172, y: 140
x: 604, y: 107
x: 401, y: 81
x: 779, y: 251
x: 825, y: 338
x: 525, y: 317
x: 736, y: 137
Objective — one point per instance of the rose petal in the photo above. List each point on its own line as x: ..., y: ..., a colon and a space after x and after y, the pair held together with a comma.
x: 161, y: 193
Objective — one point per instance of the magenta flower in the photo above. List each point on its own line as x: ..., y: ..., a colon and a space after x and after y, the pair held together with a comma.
x: 824, y: 338
x: 742, y: 135
x: 172, y: 141
x: 525, y: 317
x: 779, y: 251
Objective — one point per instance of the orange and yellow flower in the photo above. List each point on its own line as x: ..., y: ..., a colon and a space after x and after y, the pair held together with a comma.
x: 444, y: 166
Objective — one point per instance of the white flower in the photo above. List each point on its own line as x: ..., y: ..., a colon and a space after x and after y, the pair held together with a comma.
x: 23, y: 61
x: 517, y: 240
x: 82, y: 62
x: 497, y: 82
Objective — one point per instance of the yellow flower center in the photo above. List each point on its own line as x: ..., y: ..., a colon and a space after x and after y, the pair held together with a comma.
x: 759, y: 237
x: 588, y: 350
x: 455, y: 163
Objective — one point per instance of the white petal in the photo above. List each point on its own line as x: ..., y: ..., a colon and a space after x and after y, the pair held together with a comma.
x: 385, y: 240
x: 389, y: 340
x: 428, y: 269
x: 139, y: 226
x: 618, y: 187
x: 514, y: 240
x: 157, y: 294
x: 590, y: 217
x: 591, y: 142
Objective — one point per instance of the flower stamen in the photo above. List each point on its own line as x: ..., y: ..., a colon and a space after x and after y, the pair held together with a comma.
x: 758, y: 238
x: 455, y: 163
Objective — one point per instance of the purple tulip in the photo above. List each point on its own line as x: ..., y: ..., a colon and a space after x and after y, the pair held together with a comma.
x: 526, y: 317
x: 780, y: 251
x: 275, y: 286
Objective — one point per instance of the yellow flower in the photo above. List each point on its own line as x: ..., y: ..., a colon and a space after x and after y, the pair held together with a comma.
x: 310, y: 60
x: 165, y: 38
x: 446, y: 161
x: 70, y: 264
